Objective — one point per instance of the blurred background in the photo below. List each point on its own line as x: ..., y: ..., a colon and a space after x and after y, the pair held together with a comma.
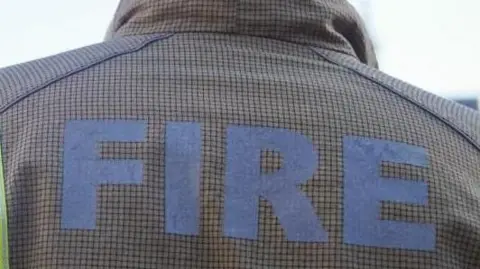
x: 433, y: 44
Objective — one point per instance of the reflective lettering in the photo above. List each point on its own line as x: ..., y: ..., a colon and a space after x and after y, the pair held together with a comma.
x: 182, y: 178
x: 85, y: 170
x: 245, y: 184
x: 365, y: 189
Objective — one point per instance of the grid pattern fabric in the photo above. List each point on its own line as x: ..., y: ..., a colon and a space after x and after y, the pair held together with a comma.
x: 332, y: 24
x: 217, y: 79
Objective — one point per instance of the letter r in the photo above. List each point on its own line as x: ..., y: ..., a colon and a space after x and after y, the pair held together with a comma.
x: 245, y: 183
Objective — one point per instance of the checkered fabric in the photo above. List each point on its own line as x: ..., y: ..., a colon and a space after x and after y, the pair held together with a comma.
x: 305, y: 66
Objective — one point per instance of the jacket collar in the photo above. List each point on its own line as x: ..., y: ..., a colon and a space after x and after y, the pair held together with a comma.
x: 329, y: 24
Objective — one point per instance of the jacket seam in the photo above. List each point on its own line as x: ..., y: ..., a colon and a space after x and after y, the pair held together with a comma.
x: 80, y: 69
x: 391, y: 89
x: 307, y: 44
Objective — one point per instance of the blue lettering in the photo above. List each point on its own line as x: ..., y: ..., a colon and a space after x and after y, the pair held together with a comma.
x: 84, y: 170
x: 182, y: 178
x: 245, y: 183
x: 365, y: 189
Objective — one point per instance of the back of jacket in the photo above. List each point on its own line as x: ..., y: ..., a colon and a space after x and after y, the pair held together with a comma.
x: 234, y: 134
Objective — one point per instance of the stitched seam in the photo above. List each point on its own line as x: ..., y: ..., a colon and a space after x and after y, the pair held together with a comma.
x: 448, y: 122
x: 307, y: 44
x: 80, y: 69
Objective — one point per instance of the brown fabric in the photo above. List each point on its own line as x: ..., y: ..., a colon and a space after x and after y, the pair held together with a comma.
x: 221, y: 71
x: 332, y: 24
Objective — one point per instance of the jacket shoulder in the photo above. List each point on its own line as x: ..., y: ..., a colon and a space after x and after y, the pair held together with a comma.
x: 20, y: 81
x: 464, y: 120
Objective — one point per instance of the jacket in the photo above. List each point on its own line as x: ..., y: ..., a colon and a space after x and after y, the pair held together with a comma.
x: 233, y: 134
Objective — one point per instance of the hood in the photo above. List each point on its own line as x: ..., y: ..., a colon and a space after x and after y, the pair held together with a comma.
x: 329, y: 24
